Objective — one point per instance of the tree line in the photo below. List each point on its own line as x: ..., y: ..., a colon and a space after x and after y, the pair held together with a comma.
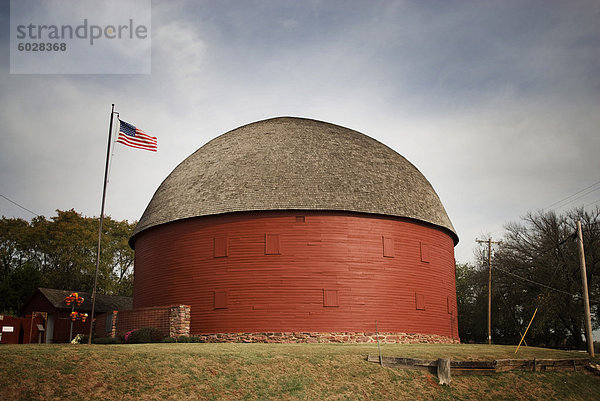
x: 536, y: 265
x: 60, y: 252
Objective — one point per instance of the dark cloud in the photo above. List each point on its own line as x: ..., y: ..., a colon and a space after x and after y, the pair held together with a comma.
x: 495, y: 102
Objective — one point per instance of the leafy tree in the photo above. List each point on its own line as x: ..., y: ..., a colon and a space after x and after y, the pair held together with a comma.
x: 20, y: 274
x: 71, y: 250
x: 471, y: 297
x: 18, y: 286
x: 543, y: 250
x: 118, y: 257
x: 61, y: 253
x: 13, y: 234
x: 535, y: 266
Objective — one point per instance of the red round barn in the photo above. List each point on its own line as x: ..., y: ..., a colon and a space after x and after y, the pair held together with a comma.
x: 298, y: 226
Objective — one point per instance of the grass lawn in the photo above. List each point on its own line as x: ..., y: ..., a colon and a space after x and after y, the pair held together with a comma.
x: 271, y: 371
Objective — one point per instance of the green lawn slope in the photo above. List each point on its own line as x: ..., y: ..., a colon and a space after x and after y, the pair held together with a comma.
x: 271, y: 372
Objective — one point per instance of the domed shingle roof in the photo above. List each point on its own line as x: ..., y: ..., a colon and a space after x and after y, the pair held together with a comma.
x: 289, y: 163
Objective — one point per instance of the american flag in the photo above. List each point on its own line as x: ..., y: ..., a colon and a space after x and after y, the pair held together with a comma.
x: 135, y: 137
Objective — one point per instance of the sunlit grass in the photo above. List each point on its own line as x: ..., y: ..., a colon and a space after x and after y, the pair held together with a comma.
x: 270, y: 371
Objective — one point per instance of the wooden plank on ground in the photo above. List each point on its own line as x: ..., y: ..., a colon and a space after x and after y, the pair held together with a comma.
x: 485, y: 367
x: 444, y: 372
x: 405, y: 363
x: 473, y: 364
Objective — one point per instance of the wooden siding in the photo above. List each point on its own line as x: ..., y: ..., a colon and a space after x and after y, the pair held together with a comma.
x: 388, y: 247
x: 272, y: 244
x: 62, y: 319
x: 330, y: 251
x: 330, y: 298
x: 220, y: 247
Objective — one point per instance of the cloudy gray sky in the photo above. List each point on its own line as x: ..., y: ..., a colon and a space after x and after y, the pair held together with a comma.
x: 496, y: 102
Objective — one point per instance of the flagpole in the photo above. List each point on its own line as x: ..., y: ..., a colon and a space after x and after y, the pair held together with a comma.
x: 112, y: 113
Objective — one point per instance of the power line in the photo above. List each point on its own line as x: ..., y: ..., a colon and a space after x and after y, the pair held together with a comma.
x: 575, y: 194
x: 538, y: 254
x: 591, y: 203
x: 579, y: 197
x: 511, y: 313
x: 567, y: 203
x: 21, y: 206
x: 533, y: 282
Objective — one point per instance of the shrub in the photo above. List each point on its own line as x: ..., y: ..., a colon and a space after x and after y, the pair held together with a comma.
x: 144, y: 335
x: 126, y: 336
x: 184, y: 339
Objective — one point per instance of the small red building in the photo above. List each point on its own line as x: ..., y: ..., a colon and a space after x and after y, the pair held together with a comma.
x: 22, y: 330
x: 300, y: 227
x: 58, y: 323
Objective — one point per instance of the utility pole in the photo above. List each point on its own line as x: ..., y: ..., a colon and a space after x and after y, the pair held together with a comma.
x: 586, y: 299
x: 489, y: 315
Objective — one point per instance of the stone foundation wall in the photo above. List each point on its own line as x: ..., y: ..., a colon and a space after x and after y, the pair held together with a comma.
x: 179, y: 321
x: 384, y: 338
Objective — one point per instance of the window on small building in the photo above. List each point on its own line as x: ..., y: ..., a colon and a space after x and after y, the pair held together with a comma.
x: 330, y: 298
x: 388, y: 247
x: 300, y: 219
x: 220, y: 247
x: 419, y: 301
x: 272, y: 244
x: 221, y: 299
